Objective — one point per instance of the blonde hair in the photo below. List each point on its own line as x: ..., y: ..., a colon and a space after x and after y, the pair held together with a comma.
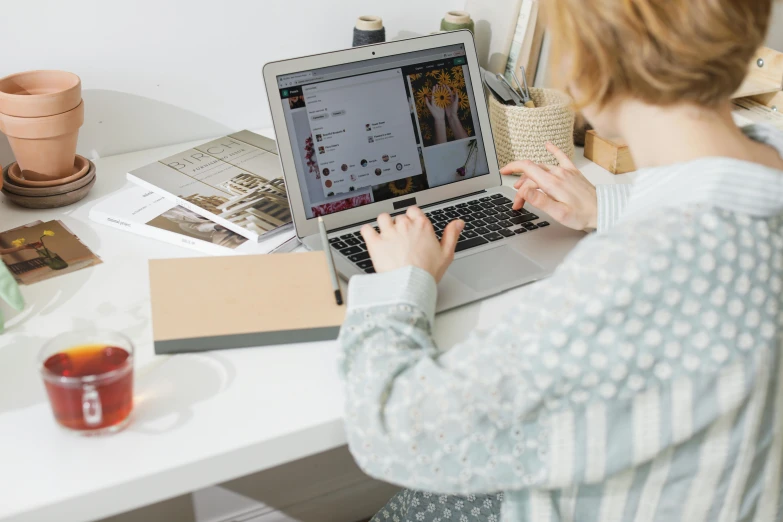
x: 657, y: 51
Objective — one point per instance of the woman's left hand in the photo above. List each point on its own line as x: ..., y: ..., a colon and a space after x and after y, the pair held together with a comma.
x: 410, y: 240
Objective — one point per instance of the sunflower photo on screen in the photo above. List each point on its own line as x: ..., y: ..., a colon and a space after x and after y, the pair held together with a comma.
x: 442, y: 105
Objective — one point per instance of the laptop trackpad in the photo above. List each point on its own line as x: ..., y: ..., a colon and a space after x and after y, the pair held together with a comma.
x: 493, y: 268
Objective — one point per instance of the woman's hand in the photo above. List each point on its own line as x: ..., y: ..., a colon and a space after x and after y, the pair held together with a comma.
x: 438, y: 113
x: 410, y: 240
x: 452, y: 115
x: 562, y: 192
x: 452, y: 109
x: 439, y: 120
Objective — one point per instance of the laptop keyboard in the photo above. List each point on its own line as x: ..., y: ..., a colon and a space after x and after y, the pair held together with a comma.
x: 487, y: 219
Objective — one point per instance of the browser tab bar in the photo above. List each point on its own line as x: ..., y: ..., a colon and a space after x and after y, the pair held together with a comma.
x: 369, y: 66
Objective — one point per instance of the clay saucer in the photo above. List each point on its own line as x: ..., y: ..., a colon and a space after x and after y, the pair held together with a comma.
x: 28, y: 178
x: 55, y: 201
x: 15, y: 188
x: 49, y: 197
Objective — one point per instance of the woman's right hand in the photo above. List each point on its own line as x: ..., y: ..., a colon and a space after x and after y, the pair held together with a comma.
x: 562, y: 192
x: 438, y: 113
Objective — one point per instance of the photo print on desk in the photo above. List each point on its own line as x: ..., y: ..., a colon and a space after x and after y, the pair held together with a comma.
x: 40, y: 251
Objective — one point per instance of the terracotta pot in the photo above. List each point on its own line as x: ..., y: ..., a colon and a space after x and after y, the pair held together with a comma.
x: 46, y: 146
x: 35, y: 94
x: 21, y: 190
x: 27, y: 178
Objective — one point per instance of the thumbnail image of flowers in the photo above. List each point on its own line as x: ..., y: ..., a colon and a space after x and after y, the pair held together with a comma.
x: 442, y: 105
x: 310, y: 157
x: 342, y: 204
x: 400, y: 187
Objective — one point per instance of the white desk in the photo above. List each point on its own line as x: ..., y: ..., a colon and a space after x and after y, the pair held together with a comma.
x: 199, y: 419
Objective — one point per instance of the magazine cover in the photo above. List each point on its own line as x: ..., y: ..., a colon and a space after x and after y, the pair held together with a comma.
x: 140, y: 211
x: 235, y: 181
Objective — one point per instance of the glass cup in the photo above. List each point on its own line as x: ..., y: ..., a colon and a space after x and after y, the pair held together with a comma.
x: 89, y: 379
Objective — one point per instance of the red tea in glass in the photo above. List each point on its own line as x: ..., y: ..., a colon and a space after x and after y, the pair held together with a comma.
x: 90, y: 384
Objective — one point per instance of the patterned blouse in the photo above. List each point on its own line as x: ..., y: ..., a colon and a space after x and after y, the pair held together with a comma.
x: 641, y: 382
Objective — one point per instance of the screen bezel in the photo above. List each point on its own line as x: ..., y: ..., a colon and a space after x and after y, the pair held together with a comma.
x: 309, y: 226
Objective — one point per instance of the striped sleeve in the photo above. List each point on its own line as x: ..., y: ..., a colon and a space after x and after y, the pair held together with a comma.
x: 612, y: 200
x: 575, y: 385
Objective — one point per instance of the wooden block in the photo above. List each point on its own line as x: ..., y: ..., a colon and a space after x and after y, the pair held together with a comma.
x: 771, y: 99
x: 613, y: 155
x: 765, y: 76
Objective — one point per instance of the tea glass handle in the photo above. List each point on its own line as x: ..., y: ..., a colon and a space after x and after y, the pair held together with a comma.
x: 91, y: 406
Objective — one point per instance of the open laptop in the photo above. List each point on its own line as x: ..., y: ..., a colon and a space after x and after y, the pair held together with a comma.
x: 380, y: 128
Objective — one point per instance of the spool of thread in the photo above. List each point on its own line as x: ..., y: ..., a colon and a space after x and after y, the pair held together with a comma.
x: 368, y: 30
x: 456, y: 20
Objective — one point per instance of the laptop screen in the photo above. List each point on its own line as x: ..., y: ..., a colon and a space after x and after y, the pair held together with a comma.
x: 383, y: 128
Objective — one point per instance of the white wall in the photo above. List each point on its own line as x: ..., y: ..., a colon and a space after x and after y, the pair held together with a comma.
x: 775, y: 39
x: 156, y: 72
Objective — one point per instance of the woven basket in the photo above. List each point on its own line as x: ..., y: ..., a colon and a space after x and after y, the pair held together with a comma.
x: 521, y: 133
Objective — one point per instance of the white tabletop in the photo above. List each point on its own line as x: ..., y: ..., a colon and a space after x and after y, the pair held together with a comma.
x: 200, y: 419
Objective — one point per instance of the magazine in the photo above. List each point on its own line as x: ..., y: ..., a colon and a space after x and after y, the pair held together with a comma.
x: 235, y: 181
x: 141, y: 211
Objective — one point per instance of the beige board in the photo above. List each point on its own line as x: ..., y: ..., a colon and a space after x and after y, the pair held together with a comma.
x: 233, y: 302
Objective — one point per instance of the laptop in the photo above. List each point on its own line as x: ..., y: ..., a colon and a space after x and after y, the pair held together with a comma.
x: 383, y: 127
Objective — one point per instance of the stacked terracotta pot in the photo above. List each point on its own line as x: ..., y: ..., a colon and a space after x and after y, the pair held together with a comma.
x: 41, y: 113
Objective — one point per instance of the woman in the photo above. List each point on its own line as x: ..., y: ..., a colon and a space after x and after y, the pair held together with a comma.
x: 642, y: 381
